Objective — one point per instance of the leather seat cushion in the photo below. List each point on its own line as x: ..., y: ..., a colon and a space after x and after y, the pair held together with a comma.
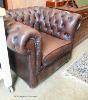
x: 53, y: 48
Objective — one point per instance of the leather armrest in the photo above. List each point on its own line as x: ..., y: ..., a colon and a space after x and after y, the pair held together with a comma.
x: 24, y: 40
x: 19, y: 34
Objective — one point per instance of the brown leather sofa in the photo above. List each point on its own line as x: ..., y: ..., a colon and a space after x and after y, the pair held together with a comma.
x: 39, y: 40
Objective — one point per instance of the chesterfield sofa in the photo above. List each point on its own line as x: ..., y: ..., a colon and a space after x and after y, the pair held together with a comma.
x: 40, y: 40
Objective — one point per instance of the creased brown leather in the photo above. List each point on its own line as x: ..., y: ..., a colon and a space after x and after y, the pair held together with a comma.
x: 20, y: 35
x: 53, y: 50
x: 61, y: 24
x: 25, y: 28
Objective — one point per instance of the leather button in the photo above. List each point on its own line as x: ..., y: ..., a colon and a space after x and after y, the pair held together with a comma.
x: 67, y: 36
x: 15, y: 40
x: 70, y: 19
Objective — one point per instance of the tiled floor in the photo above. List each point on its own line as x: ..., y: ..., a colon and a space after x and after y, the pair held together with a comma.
x: 56, y: 87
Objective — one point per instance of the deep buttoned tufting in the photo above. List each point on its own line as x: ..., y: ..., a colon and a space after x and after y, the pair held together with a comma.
x: 39, y: 40
x: 61, y: 24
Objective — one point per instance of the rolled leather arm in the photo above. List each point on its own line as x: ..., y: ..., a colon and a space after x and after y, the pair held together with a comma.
x: 19, y: 34
x: 19, y: 38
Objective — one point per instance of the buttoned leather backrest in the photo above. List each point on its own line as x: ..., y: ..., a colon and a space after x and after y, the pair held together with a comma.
x: 58, y: 23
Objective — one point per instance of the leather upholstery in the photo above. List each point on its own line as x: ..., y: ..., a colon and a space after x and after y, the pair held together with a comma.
x: 41, y: 35
x: 19, y: 38
x: 52, y: 50
x: 58, y: 23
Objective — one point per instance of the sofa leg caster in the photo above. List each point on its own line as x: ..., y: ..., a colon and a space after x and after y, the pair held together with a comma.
x: 10, y: 89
